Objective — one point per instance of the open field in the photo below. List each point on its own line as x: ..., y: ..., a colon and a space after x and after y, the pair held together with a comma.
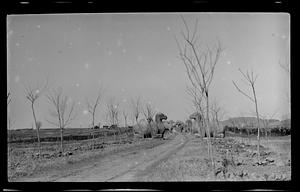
x: 23, y: 152
x: 181, y: 157
x: 50, y: 135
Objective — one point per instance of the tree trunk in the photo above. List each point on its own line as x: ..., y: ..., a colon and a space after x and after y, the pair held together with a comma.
x: 9, y: 139
x: 218, y: 124
x: 199, y: 128
x: 37, y: 129
x: 93, y: 131
x: 208, y: 130
x: 267, y: 134
x: 248, y: 135
x: 136, y: 119
x: 61, y: 140
x: 258, y: 126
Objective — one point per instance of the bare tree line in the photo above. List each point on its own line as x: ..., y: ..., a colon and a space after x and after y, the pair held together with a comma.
x: 63, y: 112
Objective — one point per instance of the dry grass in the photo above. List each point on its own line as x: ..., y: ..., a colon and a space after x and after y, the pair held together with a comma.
x: 234, y: 157
x: 82, y: 154
x: 23, y: 160
x: 233, y: 161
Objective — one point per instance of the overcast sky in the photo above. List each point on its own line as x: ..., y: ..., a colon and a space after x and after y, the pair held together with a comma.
x: 136, y: 55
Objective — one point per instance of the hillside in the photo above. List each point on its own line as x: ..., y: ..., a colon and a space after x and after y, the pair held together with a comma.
x: 252, y: 121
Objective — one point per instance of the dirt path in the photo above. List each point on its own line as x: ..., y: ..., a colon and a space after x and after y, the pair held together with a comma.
x: 128, y: 165
x: 179, y: 158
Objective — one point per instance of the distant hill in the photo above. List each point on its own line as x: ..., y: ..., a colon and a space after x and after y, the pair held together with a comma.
x: 252, y: 121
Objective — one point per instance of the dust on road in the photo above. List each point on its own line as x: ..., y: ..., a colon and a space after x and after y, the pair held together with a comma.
x: 128, y: 165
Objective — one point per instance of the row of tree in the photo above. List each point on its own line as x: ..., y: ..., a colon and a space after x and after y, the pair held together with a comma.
x: 63, y: 111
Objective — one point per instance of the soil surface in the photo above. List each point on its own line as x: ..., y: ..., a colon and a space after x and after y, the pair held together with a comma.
x: 180, y: 157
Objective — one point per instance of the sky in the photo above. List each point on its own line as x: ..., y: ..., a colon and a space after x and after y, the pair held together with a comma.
x: 132, y: 55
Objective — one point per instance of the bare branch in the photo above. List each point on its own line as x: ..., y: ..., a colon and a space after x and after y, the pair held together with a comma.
x: 52, y: 123
x: 196, y: 98
x: 285, y: 67
x: 195, y: 30
x: 242, y: 92
x: 136, y: 108
x: 246, y: 76
x: 148, y: 111
x: 60, y: 104
x: 70, y: 117
x: 8, y: 98
x: 186, y: 26
x: 255, y: 79
x: 246, y: 82
x: 113, y: 111
x: 32, y: 94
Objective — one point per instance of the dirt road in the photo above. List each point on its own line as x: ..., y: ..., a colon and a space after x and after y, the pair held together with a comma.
x: 128, y: 165
x: 181, y: 157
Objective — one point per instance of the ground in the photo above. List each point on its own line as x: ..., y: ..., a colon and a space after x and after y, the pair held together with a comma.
x: 180, y: 157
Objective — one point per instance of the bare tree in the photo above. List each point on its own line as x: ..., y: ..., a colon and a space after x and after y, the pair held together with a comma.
x: 113, y: 112
x: 266, y: 123
x: 286, y: 67
x: 63, y: 112
x: 232, y: 122
x: 8, y: 115
x: 92, y: 107
x: 148, y: 111
x: 200, y: 63
x: 250, y: 81
x: 216, y: 112
x: 125, y: 112
x: 136, y: 108
x: 197, y: 99
x: 125, y: 115
x: 9, y: 124
x: 32, y: 94
x: 245, y: 124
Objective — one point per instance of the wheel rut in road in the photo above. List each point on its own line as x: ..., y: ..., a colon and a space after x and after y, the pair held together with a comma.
x: 128, y: 166
x: 144, y: 168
